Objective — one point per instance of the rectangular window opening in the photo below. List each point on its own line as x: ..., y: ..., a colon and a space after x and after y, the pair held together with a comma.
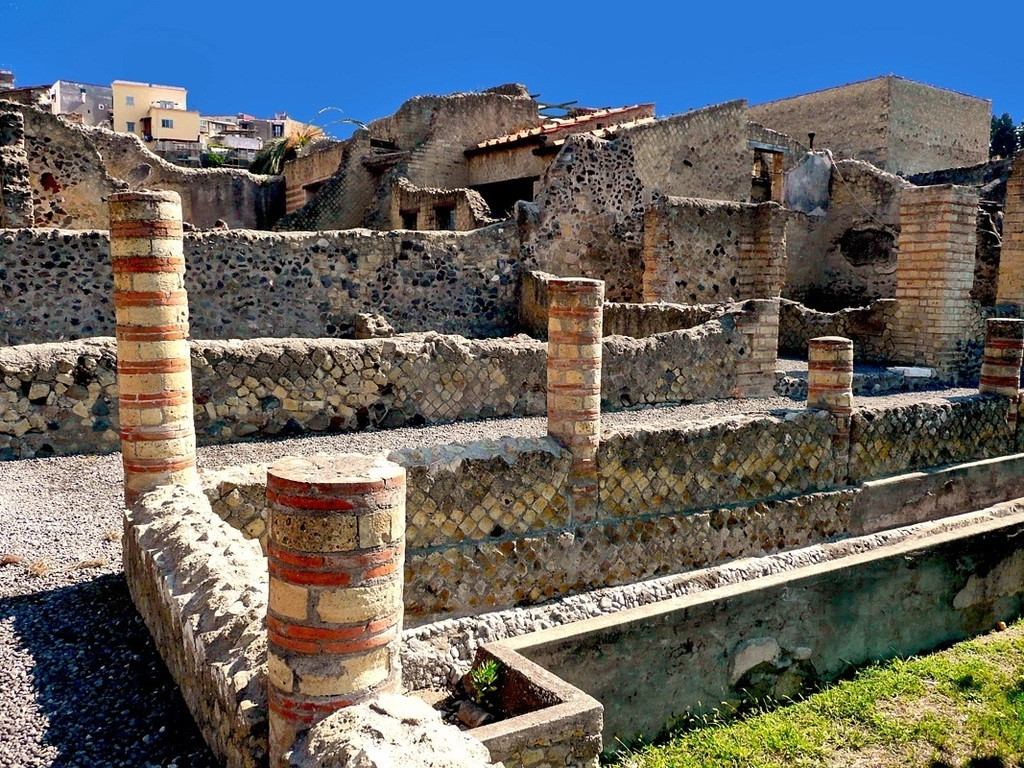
x: 444, y: 217
x: 409, y: 219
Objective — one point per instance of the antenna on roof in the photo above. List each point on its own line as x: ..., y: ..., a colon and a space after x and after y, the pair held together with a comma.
x: 561, y: 108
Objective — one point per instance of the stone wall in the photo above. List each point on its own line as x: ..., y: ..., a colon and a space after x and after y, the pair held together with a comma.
x: 466, y: 208
x: 896, y: 124
x: 701, y: 153
x: 620, y: 319
x: 62, y: 397
x: 848, y: 256
x: 782, y: 634
x: 201, y: 590
x: 15, y: 191
x: 73, y: 168
x: 423, y: 141
x: 588, y: 219
x: 707, y: 251
x: 935, y: 128
x: 870, y: 328
x: 248, y: 284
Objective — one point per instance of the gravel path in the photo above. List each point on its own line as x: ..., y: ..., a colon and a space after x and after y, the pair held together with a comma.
x: 80, y: 681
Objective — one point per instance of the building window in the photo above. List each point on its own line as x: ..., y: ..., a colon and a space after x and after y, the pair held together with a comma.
x: 166, y: 123
x: 278, y: 130
x: 131, y: 127
x: 129, y: 101
x: 444, y: 216
x: 409, y: 219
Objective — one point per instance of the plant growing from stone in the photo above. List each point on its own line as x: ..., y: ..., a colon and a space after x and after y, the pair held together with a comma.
x: 483, y: 678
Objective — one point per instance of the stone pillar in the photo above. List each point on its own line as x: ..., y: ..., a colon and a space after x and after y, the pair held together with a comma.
x: 1010, y: 281
x: 934, y: 275
x: 575, y: 308
x: 336, y: 551
x: 154, y: 370
x: 1004, y: 349
x: 759, y: 324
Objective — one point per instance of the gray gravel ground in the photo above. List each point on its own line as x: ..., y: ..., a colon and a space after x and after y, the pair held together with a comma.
x: 80, y: 681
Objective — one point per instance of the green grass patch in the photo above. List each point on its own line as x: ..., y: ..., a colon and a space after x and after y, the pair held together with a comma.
x: 958, y: 708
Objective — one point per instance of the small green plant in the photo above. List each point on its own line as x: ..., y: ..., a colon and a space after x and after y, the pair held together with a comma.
x: 484, y: 679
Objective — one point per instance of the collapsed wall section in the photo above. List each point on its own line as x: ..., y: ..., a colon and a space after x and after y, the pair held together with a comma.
x: 73, y: 168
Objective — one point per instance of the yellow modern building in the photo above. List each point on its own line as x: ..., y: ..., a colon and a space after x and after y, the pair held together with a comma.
x: 153, y: 112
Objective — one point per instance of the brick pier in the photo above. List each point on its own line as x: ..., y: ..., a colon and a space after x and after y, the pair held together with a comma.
x: 1004, y: 349
x: 574, y: 382
x: 154, y: 371
x: 336, y: 556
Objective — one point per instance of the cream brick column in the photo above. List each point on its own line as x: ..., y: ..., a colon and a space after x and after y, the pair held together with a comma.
x: 1004, y: 350
x: 1010, y: 282
x: 336, y: 552
x: 575, y: 310
x: 830, y: 388
x: 154, y: 369
x: 934, y: 274
x: 830, y: 375
x: 761, y: 272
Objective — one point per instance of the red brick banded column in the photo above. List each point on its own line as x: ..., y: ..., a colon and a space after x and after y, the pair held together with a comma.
x: 830, y: 378
x: 1004, y: 349
x: 336, y: 554
x: 154, y: 370
x: 575, y: 307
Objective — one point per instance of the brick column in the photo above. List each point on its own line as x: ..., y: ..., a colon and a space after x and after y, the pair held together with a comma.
x: 934, y: 274
x: 759, y: 324
x: 575, y: 307
x: 154, y: 370
x: 830, y: 388
x: 335, y: 549
x: 1010, y: 281
x: 1004, y: 349
x: 830, y: 375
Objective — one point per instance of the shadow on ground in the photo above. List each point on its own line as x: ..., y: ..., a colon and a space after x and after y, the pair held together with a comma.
x: 100, y: 682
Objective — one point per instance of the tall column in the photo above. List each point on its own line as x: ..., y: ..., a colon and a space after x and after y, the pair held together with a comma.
x: 934, y: 274
x: 1004, y: 349
x: 1010, y: 281
x: 154, y: 370
x: 575, y: 307
x: 336, y: 551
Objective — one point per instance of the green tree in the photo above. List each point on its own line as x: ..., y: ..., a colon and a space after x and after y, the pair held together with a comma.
x: 1004, y: 139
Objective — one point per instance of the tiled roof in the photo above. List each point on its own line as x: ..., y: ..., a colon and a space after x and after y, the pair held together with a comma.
x: 589, y: 121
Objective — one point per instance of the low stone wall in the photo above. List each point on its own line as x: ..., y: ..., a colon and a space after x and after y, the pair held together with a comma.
x: 870, y: 329
x: 620, y: 319
x: 776, y: 635
x: 201, y: 588
x: 905, y: 438
x: 492, y: 525
x: 62, y: 398
x: 245, y: 284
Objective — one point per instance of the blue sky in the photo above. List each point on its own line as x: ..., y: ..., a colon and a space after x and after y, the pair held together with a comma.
x: 367, y: 57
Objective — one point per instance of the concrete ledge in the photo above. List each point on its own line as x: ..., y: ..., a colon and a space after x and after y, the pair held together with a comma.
x: 774, y: 635
x: 920, y: 496
x: 552, y: 723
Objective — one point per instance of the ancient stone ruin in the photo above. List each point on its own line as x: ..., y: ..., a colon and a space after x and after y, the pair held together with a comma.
x: 732, y: 400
